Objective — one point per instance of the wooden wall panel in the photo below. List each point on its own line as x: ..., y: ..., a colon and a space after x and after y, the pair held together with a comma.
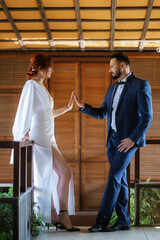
x: 132, y: 169
x: 8, y: 108
x: 150, y: 163
x: 154, y: 129
x: 66, y: 134
x: 95, y: 81
x: 148, y: 69
x: 6, y: 169
x: 66, y: 126
x: 13, y: 70
x: 63, y: 82
x: 94, y: 179
x: 93, y: 139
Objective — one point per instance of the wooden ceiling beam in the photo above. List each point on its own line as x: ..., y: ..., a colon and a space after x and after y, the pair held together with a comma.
x: 75, y: 30
x: 45, y: 22
x: 82, y: 20
x: 75, y: 50
x: 10, y: 19
x: 81, y: 8
x: 113, y: 21
x: 79, y: 25
x: 146, y: 23
x: 86, y: 40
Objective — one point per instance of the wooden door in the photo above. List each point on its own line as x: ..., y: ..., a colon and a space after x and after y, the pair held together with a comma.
x: 63, y: 82
x: 94, y: 164
x: 80, y: 138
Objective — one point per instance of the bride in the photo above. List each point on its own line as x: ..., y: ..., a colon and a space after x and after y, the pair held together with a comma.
x: 53, y: 180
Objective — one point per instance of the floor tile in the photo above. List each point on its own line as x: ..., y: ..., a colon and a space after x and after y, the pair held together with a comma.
x: 63, y: 235
x: 133, y: 234
x: 136, y: 233
x: 152, y: 233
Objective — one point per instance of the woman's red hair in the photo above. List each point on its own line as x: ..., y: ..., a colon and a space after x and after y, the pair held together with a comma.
x: 39, y: 60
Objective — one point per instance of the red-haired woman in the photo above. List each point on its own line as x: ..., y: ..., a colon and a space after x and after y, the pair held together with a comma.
x: 54, y: 191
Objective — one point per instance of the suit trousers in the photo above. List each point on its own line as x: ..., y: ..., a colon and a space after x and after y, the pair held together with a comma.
x: 116, y: 192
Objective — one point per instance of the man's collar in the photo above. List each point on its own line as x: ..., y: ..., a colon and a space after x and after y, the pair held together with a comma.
x: 125, y: 79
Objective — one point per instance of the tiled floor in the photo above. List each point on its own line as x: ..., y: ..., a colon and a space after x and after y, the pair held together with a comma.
x: 136, y: 233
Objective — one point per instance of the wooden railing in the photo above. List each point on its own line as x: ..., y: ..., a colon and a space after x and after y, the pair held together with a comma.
x: 137, y: 183
x: 21, y: 201
x: 22, y: 170
x: 139, y: 186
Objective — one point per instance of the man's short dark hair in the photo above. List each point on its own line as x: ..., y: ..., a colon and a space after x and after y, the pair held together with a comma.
x: 121, y: 57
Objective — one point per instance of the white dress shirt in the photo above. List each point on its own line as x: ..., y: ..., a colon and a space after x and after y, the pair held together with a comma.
x: 115, y: 102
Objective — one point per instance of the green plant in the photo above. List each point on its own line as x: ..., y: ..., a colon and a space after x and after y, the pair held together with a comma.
x: 6, y: 217
x: 149, y: 206
x: 113, y: 218
x: 37, y: 220
x: 132, y: 206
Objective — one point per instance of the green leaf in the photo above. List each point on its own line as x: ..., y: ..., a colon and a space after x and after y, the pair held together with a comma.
x: 148, y: 180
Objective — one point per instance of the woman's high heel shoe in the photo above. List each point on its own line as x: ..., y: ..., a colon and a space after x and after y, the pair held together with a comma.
x: 57, y: 224
x: 72, y: 229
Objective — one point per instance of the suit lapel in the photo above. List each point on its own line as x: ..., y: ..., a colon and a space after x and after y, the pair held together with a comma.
x: 112, y: 96
x: 123, y: 92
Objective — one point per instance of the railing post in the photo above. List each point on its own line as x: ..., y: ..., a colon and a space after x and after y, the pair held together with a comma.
x: 15, y: 207
x: 137, y: 204
x: 16, y: 169
x: 137, y: 166
x: 23, y: 169
x: 29, y: 167
x: 128, y: 180
x: 137, y: 180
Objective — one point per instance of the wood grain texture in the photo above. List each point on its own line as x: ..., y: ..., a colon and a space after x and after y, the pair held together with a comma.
x: 95, y: 81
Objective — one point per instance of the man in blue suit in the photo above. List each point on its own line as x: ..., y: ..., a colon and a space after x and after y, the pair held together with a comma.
x: 128, y: 108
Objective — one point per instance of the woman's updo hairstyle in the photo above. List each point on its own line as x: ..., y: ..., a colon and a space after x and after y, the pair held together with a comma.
x: 39, y: 60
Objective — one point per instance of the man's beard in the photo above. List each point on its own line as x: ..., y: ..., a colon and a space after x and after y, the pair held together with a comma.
x: 117, y: 75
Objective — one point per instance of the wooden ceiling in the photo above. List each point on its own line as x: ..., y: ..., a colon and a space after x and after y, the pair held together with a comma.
x: 81, y: 25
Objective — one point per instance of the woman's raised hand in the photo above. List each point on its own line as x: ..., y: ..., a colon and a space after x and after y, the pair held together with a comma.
x: 71, y: 101
x: 79, y: 103
x: 25, y: 137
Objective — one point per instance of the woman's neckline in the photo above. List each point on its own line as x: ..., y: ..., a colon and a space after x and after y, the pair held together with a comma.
x: 44, y: 88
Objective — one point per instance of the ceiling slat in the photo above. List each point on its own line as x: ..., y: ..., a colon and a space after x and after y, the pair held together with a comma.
x: 78, y: 16
x: 146, y: 23
x: 44, y: 19
x: 5, y: 9
x: 113, y: 20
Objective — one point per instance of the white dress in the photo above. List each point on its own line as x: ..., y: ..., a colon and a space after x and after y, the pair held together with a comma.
x: 34, y: 114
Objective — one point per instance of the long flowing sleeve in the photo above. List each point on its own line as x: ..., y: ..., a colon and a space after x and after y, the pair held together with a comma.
x: 24, y: 112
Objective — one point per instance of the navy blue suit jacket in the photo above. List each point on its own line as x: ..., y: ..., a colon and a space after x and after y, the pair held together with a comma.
x: 134, y: 112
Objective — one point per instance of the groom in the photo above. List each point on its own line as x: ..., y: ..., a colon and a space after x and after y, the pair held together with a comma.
x: 128, y: 108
